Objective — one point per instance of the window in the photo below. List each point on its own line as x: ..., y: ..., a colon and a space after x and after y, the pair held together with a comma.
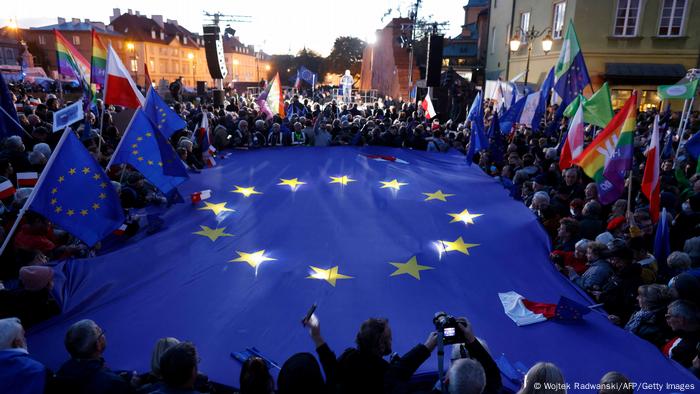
x: 76, y: 40
x: 524, y: 26
x: 626, y: 18
x: 184, y: 40
x: 134, y: 65
x: 153, y: 34
x: 619, y: 97
x: 42, y: 40
x: 508, y: 34
x: 672, y: 16
x: 152, y: 65
x: 493, y: 40
x: 162, y: 36
x: 558, y: 20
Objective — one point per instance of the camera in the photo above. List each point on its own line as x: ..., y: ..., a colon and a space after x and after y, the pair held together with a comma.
x: 449, y: 327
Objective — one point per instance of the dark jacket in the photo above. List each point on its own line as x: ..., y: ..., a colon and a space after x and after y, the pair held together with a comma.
x: 90, y: 376
x: 360, y: 372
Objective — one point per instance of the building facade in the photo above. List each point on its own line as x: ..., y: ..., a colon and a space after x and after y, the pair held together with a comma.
x: 631, y: 44
x: 466, y: 53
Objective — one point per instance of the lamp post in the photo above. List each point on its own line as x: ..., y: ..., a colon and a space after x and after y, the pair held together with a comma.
x: 530, y: 36
x: 194, y: 68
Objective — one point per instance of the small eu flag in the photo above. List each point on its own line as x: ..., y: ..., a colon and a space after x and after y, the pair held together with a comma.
x: 167, y: 121
x: 568, y: 309
x: 146, y: 149
x: 76, y: 194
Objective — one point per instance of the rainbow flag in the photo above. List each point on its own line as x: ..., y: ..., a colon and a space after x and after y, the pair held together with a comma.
x: 98, y: 62
x: 271, y: 100
x: 609, y: 156
x: 71, y: 63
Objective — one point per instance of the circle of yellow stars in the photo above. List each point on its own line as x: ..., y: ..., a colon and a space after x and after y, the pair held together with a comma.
x: 332, y: 274
x: 139, y: 155
x: 64, y: 207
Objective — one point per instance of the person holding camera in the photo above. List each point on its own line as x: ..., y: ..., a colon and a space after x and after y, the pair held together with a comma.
x: 473, y: 370
x: 364, y: 370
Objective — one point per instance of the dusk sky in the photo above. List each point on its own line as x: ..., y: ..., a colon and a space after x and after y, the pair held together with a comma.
x: 278, y: 27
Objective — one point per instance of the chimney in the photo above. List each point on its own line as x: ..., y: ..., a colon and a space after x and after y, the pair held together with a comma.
x: 76, y: 20
x: 130, y: 11
x: 87, y: 21
x: 173, y: 21
x: 158, y: 19
x: 138, y: 13
x: 110, y: 27
x: 61, y: 20
x: 100, y: 25
x: 116, y: 13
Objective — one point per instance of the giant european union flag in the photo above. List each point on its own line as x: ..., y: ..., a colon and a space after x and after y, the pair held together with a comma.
x: 146, y: 149
x: 76, y: 194
x: 355, y: 230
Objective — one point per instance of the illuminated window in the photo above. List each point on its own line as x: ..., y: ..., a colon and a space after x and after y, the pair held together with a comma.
x: 153, y: 34
x: 76, y: 40
x: 524, y: 25
x: 672, y: 16
x: 134, y: 65
x: 558, y: 20
x: 626, y: 18
x: 42, y: 40
x: 619, y: 97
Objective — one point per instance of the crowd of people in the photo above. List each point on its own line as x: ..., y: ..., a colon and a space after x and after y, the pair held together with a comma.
x: 607, y: 250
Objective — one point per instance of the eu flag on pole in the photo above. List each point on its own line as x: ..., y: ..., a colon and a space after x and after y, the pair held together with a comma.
x: 307, y: 75
x: 75, y: 193
x: 512, y: 115
x: 477, y: 139
x: 147, y: 150
x: 570, y: 71
x: 167, y: 121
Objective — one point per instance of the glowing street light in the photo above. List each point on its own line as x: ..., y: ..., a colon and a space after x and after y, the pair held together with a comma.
x: 529, y: 37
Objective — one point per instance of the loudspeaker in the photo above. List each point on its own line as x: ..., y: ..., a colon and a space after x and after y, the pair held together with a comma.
x: 218, y: 97
x: 433, y: 65
x: 214, y: 49
x: 201, y: 88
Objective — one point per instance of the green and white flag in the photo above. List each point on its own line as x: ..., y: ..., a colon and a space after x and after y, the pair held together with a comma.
x: 679, y: 91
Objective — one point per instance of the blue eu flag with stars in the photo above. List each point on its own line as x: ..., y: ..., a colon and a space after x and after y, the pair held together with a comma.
x: 76, y: 194
x: 165, y: 119
x: 146, y: 149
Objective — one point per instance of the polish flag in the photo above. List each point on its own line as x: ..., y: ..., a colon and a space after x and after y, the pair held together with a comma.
x: 7, y: 189
x: 573, y: 145
x: 120, y: 89
x: 428, y: 107
x: 27, y: 179
x: 650, y: 183
x: 121, y: 230
x: 524, y: 312
x: 200, y: 196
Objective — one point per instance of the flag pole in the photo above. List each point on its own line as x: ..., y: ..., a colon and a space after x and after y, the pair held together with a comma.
x: 15, y: 122
x: 35, y: 190
x: 684, y: 117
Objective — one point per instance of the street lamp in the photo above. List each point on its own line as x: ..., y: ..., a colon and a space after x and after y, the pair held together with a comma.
x: 530, y: 36
x: 194, y: 67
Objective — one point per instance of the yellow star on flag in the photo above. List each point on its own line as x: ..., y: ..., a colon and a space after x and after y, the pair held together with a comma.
x: 253, y: 259
x: 216, y: 208
x: 71, y: 171
x: 292, y: 183
x: 457, y: 245
x: 343, y: 180
x: 86, y: 170
x: 213, y: 233
x: 330, y: 275
x: 464, y: 216
x: 438, y: 195
x: 246, y: 191
x: 411, y: 267
x: 396, y: 185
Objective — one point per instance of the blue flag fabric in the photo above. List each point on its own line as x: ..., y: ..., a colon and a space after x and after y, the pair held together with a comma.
x: 571, y: 83
x: 477, y: 138
x: 237, y: 272
x: 74, y: 193
x: 9, y: 123
x: 497, y: 142
x: 307, y: 75
x: 512, y: 115
x: 541, y: 109
x: 692, y: 146
x: 167, y: 121
x: 147, y: 150
x: 667, y: 151
x: 568, y: 309
x: 662, y: 239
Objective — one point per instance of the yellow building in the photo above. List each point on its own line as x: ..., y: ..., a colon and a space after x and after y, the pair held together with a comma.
x: 243, y: 63
x: 632, y: 44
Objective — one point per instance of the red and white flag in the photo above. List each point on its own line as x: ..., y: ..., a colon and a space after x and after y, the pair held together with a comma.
x: 200, y: 196
x: 524, y: 312
x: 651, y: 187
x: 7, y: 189
x: 573, y: 145
x: 121, y: 230
x: 120, y: 89
x: 27, y: 179
x: 428, y: 107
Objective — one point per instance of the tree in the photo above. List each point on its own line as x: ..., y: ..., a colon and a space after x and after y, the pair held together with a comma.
x: 346, y: 55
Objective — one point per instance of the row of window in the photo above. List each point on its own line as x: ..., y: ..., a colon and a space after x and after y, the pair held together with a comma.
x: 671, y: 19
